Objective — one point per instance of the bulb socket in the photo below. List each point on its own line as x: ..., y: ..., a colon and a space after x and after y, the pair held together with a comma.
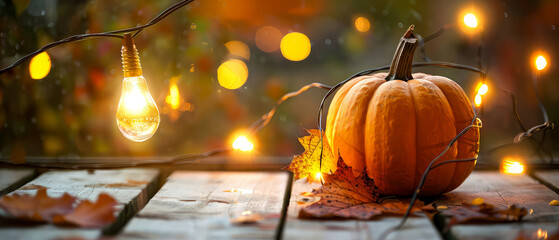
x: 130, y: 57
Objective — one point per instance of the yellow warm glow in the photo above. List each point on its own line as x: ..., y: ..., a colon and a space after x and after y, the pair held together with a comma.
x: 295, y: 46
x: 239, y: 49
x: 542, y: 234
x: 477, y: 100
x: 512, y: 166
x: 362, y: 24
x: 243, y: 144
x: 541, y: 62
x: 232, y: 74
x: 470, y: 20
x: 482, y: 89
x: 137, y: 114
x: 39, y: 67
x: 173, y: 99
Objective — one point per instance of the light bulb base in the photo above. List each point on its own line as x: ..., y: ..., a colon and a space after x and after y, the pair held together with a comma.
x: 130, y: 57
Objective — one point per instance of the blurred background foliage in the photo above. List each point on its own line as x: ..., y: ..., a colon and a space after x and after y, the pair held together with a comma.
x: 71, y: 111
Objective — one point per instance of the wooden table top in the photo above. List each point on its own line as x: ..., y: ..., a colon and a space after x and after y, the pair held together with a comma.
x: 213, y: 205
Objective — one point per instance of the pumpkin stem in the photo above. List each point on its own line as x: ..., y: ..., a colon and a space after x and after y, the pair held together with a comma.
x: 400, y: 68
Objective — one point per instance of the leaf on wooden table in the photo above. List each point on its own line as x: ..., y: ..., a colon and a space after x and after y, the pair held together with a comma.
x: 483, y: 212
x: 37, y: 208
x: 88, y: 214
x: 42, y: 208
x: 307, y: 164
x: 345, y: 196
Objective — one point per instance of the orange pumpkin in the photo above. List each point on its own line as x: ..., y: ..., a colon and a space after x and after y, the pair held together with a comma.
x: 394, y: 124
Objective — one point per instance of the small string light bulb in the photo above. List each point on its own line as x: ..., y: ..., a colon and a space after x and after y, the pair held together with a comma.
x: 137, y: 115
x: 470, y: 20
x: 242, y: 143
x: 541, y: 62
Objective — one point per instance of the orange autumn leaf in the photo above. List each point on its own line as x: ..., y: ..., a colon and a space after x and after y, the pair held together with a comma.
x: 88, y: 214
x: 345, y: 196
x: 61, y: 211
x: 307, y: 164
x: 483, y: 212
x: 38, y: 208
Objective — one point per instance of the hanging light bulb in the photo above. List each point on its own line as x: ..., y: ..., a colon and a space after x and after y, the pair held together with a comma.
x: 137, y: 115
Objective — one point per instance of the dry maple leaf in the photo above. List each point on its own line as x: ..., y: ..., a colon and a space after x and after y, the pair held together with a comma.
x: 345, y: 196
x: 88, y: 214
x: 483, y: 213
x: 38, y: 208
x: 42, y: 208
x: 307, y: 164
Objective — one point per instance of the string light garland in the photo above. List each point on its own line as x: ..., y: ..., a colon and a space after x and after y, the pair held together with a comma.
x: 132, y: 69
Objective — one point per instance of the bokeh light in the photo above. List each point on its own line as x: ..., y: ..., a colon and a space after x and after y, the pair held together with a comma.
x: 362, y: 24
x: 470, y: 20
x: 242, y: 143
x: 239, y: 49
x: 268, y: 39
x: 232, y: 74
x: 173, y: 99
x: 541, y: 62
x: 512, y: 166
x: 477, y: 100
x: 39, y: 67
x: 295, y: 46
x: 482, y: 89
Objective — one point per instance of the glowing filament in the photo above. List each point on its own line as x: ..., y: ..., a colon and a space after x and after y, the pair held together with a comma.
x: 477, y: 100
x: 511, y: 166
x: 541, y: 62
x: 39, y: 67
x: 470, y: 20
x: 243, y: 144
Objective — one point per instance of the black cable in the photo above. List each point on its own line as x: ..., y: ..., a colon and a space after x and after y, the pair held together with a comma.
x: 113, y: 34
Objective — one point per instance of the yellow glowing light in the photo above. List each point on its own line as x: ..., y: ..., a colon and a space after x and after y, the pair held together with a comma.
x: 243, y: 144
x: 232, y: 74
x: 39, y: 67
x: 541, y: 62
x: 482, y: 90
x: 470, y: 20
x: 295, y: 46
x: 173, y: 99
x: 511, y: 166
x: 362, y: 24
x: 238, y: 48
x: 477, y: 100
x: 318, y: 176
x: 137, y: 114
x: 542, y: 234
x: 268, y: 39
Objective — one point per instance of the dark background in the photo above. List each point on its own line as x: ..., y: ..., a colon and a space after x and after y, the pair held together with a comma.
x: 71, y: 112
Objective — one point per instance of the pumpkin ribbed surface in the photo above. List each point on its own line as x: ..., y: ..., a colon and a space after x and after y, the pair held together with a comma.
x: 395, y: 128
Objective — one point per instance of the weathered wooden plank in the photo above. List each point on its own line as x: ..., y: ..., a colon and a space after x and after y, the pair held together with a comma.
x: 202, y: 205
x: 503, y: 190
x: 12, y: 178
x: 415, y: 228
x: 549, y: 178
x: 130, y: 187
